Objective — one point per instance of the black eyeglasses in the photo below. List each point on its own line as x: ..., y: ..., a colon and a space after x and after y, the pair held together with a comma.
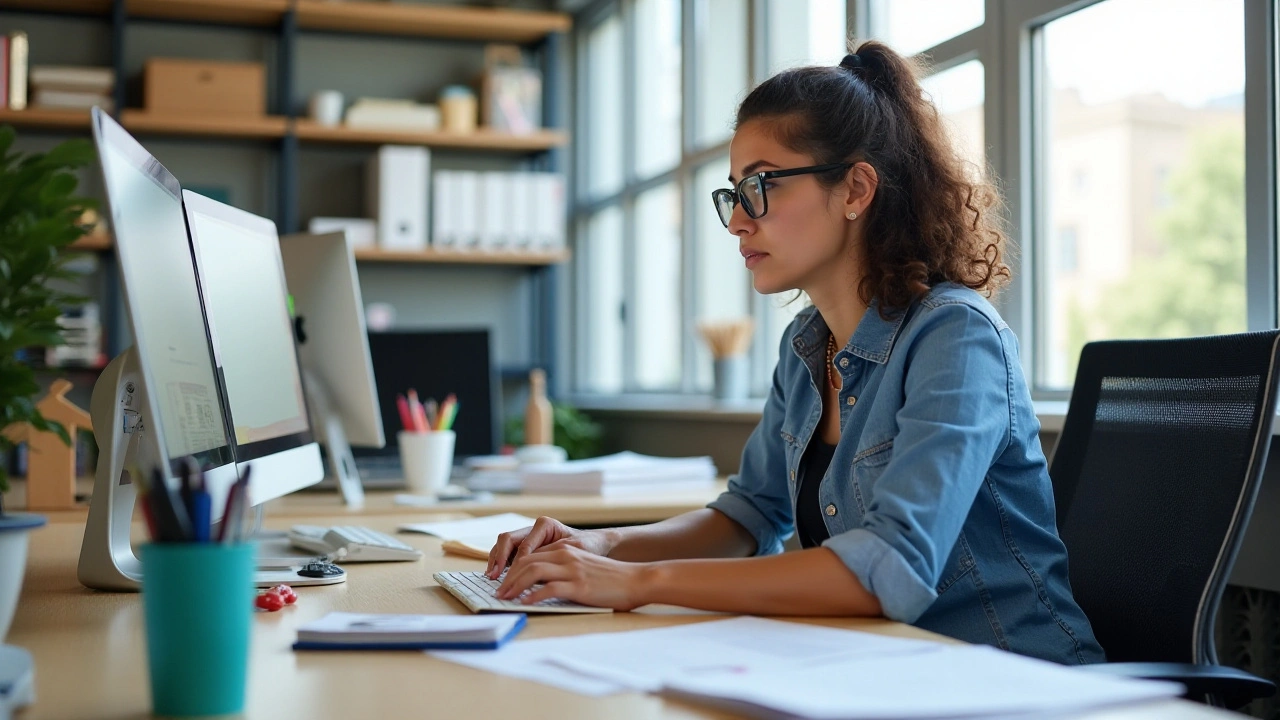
x: 750, y: 192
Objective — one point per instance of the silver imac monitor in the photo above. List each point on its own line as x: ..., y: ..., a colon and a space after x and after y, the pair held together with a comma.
x: 333, y: 345
x: 237, y: 256
x: 159, y: 401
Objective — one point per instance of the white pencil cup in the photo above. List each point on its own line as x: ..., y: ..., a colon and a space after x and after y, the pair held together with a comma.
x: 427, y: 459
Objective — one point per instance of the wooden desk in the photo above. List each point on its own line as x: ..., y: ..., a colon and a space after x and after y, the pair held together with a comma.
x: 91, y: 663
x: 578, y: 510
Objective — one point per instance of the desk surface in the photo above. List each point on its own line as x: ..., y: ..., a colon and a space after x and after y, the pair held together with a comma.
x: 90, y: 654
x: 579, y: 510
x: 570, y: 509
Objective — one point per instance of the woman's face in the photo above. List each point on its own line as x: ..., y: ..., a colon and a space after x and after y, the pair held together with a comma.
x: 802, y: 238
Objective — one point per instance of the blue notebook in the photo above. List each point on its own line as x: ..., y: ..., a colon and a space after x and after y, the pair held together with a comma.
x: 377, y: 631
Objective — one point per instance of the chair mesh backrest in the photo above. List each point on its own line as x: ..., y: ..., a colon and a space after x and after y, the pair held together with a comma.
x: 1154, y: 477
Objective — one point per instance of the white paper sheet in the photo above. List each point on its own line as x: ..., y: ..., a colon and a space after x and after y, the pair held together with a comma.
x: 644, y: 660
x: 953, y: 682
x: 474, y: 531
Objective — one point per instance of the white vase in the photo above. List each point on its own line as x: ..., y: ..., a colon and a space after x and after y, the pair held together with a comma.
x: 13, y: 562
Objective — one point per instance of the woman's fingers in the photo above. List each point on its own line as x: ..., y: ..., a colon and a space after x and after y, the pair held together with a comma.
x: 545, y: 531
x: 500, y: 555
x: 524, y: 574
x: 559, y: 589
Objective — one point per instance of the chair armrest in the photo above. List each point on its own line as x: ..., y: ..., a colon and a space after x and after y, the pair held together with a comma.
x: 1231, y: 687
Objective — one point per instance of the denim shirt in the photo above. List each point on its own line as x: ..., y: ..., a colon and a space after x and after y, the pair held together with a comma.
x: 938, y: 497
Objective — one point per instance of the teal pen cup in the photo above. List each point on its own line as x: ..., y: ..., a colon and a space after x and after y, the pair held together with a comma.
x: 198, y: 600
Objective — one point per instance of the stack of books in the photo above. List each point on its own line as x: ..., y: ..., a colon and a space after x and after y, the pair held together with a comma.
x: 384, y: 114
x: 67, y: 87
x: 623, y: 474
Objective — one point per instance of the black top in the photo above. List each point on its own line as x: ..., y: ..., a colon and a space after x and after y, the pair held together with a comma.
x: 809, y: 524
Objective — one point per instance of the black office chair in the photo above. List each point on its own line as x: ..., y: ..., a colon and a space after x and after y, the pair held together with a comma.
x: 1154, y: 477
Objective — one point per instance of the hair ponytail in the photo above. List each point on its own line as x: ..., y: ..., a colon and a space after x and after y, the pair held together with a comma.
x: 932, y: 220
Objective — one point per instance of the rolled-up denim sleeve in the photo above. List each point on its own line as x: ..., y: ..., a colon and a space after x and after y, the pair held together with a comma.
x: 758, y: 498
x: 953, y: 423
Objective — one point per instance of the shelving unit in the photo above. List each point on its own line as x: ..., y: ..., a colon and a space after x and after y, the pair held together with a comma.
x: 46, y: 119
x: 486, y: 140
x: 467, y: 257
x: 287, y: 20
x: 265, y: 128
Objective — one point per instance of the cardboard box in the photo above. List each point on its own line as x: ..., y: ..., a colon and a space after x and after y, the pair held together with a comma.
x: 205, y: 87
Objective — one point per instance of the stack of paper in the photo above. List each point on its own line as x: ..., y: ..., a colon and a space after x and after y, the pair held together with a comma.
x: 369, y: 631
x: 769, y: 668
x: 625, y: 473
x: 472, y: 538
x: 393, y: 115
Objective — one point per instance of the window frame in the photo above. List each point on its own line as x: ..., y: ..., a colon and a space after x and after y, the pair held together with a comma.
x: 1007, y: 43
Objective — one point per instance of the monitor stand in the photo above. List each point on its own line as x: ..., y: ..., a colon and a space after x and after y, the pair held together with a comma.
x: 342, y: 464
x: 121, y: 417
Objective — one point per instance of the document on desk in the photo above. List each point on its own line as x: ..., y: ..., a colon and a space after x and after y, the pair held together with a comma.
x: 645, y: 660
x: 961, y: 681
x: 474, y: 537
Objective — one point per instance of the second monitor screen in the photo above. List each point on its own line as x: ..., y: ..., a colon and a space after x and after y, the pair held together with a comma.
x: 244, y: 284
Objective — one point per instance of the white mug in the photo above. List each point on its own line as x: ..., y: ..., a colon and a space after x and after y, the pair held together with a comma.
x: 326, y: 107
x: 427, y: 460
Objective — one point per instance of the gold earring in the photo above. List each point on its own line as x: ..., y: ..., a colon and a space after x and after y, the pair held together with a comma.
x: 853, y: 216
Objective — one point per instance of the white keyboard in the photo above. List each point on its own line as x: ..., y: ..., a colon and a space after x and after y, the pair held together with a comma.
x: 351, y: 543
x: 475, y: 591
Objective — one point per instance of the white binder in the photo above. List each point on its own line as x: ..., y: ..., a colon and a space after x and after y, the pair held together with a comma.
x: 398, y: 196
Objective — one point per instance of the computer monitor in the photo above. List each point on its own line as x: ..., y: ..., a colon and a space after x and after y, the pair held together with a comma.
x: 437, y: 363
x: 158, y: 402
x: 165, y: 398
x: 237, y: 257
x: 320, y: 271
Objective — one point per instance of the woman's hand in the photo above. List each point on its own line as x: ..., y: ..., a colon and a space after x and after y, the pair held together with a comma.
x: 571, y: 573
x: 545, y: 534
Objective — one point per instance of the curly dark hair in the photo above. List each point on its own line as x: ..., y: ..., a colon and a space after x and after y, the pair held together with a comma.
x: 932, y: 220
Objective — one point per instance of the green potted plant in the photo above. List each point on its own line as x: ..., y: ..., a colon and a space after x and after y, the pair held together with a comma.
x: 39, y: 217
x: 579, y: 435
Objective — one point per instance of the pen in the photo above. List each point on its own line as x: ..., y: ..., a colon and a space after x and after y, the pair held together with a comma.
x: 433, y: 414
x: 201, y: 511
x: 406, y: 418
x: 172, y: 522
x: 415, y: 409
x: 448, y: 410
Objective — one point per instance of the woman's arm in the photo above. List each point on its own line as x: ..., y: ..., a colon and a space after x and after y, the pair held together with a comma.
x: 703, y: 533
x: 807, y: 582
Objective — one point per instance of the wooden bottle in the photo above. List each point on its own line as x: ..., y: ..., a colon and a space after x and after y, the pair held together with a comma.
x: 538, y: 422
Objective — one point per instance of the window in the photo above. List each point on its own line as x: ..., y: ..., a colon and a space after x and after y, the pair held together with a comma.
x: 652, y: 259
x: 912, y: 26
x: 1126, y: 122
x: 959, y: 94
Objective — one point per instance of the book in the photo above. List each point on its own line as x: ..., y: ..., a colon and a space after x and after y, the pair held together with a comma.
x: 472, y: 538
x: 19, y: 55
x: 381, y: 631
x: 74, y: 78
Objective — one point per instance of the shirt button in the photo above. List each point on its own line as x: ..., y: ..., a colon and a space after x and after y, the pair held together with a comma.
x: 793, y: 474
x: 831, y: 511
x: 851, y: 401
x: 844, y: 362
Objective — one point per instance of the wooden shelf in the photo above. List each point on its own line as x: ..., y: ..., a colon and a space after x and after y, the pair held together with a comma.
x: 98, y: 242
x: 230, y: 12
x: 82, y: 7
x: 439, y: 21
x: 464, y: 257
x: 268, y: 127
x: 478, y: 140
x: 46, y: 118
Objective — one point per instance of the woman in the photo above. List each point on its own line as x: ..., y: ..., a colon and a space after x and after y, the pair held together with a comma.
x: 899, y: 439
